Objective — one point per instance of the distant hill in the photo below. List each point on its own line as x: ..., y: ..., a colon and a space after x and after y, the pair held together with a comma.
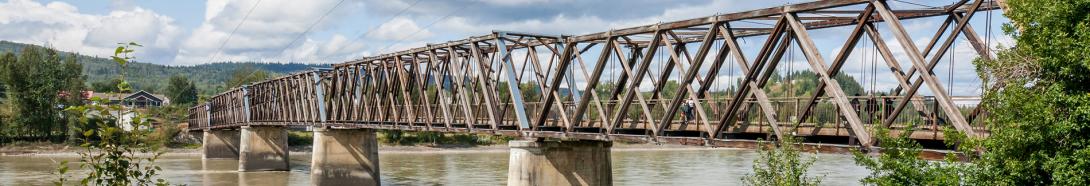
x: 209, y: 78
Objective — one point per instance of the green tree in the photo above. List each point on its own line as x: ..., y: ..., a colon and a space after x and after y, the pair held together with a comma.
x: 181, y: 91
x: 39, y: 82
x: 106, y: 86
x: 1040, y: 100
x: 899, y: 164
x: 1038, y: 107
x: 781, y: 165
x: 246, y: 75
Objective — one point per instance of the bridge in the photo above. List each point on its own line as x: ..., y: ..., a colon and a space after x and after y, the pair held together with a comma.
x: 568, y: 97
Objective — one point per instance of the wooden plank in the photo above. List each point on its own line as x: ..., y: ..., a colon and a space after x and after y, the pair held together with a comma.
x: 486, y: 89
x: 439, y: 80
x: 689, y: 75
x: 739, y: 97
x: 895, y: 67
x: 941, y: 96
x: 817, y: 64
x: 838, y: 62
x: 632, y: 90
x: 757, y: 91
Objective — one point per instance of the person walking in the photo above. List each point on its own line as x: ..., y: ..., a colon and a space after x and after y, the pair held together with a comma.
x: 687, y: 110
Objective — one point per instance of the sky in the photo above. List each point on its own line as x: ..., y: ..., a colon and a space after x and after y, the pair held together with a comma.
x: 179, y: 33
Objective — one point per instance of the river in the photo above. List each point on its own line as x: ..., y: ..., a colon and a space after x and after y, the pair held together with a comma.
x: 630, y: 167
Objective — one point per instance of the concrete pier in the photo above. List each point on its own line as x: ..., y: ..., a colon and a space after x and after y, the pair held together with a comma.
x: 264, y: 148
x: 344, y: 157
x: 221, y: 144
x: 559, y: 163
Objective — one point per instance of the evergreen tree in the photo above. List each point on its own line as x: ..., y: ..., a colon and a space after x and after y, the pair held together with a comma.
x: 106, y: 86
x: 181, y: 91
x: 245, y: 76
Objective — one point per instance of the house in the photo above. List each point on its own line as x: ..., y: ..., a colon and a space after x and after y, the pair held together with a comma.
x: 144, y: 99
x: 139, y: 99
x: 133, y: 101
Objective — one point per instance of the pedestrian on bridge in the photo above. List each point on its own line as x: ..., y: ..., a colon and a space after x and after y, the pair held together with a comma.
x: 687, y: 110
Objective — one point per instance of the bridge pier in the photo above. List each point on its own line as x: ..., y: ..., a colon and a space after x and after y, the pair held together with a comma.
x: 344, y: 157
x: 559, y: 163
x: 221, y: 144
x: 264, y: 148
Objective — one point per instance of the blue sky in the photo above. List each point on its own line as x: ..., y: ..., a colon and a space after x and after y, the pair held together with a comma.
x: 192, y: 32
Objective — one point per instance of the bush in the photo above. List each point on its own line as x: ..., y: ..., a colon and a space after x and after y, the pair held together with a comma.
x: 900, y: 163
x: 396, y: 137
x: 781, y: 166
x: 300, y: 138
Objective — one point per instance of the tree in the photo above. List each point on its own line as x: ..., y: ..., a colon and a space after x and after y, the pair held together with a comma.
x: 37, y: 82
x: 106, y: 86
x: 246, y: 75
x: 181, y: 91
x: 1038, y: 105
x: 1039, y: 102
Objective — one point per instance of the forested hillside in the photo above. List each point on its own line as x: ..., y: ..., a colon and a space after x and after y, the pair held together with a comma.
x: 209, y: 78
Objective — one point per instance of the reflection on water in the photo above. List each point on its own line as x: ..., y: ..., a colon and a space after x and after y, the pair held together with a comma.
x: 657, y: 167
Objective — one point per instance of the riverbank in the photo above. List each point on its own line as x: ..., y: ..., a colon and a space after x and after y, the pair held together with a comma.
x: 52, y: 149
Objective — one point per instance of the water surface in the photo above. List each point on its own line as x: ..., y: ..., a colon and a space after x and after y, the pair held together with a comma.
x: 641, y: 167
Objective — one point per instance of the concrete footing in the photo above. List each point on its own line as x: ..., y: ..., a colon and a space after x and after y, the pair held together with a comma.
x: 264, y: 148
x: 344, y: 157
x: 559, y: 163
x: 221, y: 144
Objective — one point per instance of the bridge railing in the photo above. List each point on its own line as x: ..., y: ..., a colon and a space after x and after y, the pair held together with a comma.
x: 228, y: 109
x: 288, y: 100
x: 198, y: 117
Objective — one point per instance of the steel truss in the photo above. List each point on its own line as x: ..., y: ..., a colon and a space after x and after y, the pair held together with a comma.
x: 525, y: 84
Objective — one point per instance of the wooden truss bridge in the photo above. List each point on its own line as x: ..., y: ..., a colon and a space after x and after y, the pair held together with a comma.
x: 635, y: 84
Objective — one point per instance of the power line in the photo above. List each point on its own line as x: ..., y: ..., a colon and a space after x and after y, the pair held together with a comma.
x: 301, y: 34
x: 310, y: 27
x: 247, y: 16
x: 917, y: 4
x: 380, y: 24
x: 429, y: 25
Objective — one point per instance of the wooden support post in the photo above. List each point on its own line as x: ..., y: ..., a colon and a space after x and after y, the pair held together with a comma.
x: 817, y: 64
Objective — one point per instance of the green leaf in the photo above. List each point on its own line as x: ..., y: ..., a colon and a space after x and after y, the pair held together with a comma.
x: 118, y: 50
x: 124, y: 86
x: 119, y: 60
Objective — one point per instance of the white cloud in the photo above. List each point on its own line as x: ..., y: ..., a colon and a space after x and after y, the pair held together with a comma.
x: 399, y: 29
x: 335, y: 50
x: 513, y: 2
x: 266, y: 32
x: 62, y: 26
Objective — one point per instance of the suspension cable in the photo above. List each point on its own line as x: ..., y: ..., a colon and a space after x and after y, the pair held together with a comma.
x: 950, y: 72
x: 863, y: 64
x: 873, y: 68
x: 987, y: 46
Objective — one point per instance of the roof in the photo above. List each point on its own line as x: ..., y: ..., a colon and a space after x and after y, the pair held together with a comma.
x: 145, y: 94
x: 120, y: 96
